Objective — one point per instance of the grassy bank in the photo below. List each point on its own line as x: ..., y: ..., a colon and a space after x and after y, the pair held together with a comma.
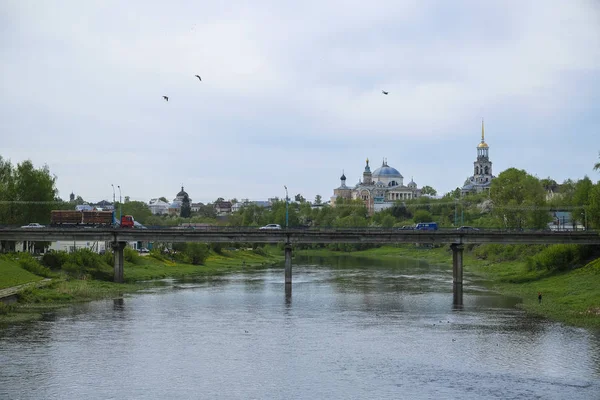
x: 64, y: 290
x: 571, y: 296
x: 12, y: 274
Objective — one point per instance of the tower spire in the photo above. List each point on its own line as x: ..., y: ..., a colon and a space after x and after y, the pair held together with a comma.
x: 482, y: 132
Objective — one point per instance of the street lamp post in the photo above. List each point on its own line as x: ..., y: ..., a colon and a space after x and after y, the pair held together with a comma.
x: 113, y: 187
x: 286, y: 207
x: 120, y: 205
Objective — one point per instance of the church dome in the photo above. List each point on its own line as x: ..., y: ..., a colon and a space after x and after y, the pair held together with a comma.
x: 385, y: 171
x: 181, y: 193
x: 482, y: 145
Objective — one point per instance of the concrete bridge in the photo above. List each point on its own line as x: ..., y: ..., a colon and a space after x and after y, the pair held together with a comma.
x: 455, y: 238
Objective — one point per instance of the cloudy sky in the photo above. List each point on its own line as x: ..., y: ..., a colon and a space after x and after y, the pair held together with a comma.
x: 291, y: 94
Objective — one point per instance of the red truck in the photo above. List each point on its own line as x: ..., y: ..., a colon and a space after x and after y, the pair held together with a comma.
x: 88, y: 218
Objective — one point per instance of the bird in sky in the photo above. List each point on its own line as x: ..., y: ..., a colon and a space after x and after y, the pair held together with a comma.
x: 198, y: 76
x: 384, y: 92
x: 166, y: 98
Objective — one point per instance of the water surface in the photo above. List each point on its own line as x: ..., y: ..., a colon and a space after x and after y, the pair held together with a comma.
x: 351, y: 329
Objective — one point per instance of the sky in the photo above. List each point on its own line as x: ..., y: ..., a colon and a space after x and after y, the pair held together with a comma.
x: 291, y: 93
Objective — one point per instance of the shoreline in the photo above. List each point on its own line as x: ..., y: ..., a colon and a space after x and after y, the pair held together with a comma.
x: 60, y: 292
x: 571, y: 297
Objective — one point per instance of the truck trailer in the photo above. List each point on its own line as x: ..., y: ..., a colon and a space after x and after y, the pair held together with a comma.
x: 89, y: 218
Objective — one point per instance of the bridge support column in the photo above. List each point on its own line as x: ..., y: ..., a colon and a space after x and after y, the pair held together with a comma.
x: 118, y: 258
x: 288, y: 264
x: 457, y: 273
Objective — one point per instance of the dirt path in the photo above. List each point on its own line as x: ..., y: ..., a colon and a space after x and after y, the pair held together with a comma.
x: 11, y: 291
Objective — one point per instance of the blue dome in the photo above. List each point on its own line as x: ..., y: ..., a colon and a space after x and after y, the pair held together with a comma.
x: 385, y: 171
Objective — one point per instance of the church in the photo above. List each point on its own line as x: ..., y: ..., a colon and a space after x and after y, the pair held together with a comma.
x: 482, y: 169
x: 379, y: 189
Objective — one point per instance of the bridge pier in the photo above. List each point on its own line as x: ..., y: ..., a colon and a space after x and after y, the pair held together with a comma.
x: 457, y: 273
x: 288, y: 264
x: 118, y: 258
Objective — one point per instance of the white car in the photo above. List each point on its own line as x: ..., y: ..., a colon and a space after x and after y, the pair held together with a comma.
x: 271, y: 226
x: 33, y: 225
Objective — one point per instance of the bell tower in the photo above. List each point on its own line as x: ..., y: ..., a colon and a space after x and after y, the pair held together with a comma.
x: 482, y: 172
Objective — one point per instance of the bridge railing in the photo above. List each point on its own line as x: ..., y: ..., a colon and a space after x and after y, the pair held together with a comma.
x: 349, y: 230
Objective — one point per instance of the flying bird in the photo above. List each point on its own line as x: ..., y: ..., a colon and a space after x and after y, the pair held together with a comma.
x: 384, y: 92
x: 166, y: 98
x: 198, y: 76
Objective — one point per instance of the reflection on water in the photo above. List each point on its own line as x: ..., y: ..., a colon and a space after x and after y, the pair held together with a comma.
x: 351, y: 328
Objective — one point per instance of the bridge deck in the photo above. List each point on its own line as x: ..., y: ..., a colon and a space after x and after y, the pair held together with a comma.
x: 295, y: 235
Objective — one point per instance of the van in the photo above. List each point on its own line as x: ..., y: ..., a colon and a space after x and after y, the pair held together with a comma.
x: 427, y: 226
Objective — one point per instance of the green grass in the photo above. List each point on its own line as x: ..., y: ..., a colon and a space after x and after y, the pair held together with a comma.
x: 570, y: 297
x: 11, y: 274
x: 216, y: 264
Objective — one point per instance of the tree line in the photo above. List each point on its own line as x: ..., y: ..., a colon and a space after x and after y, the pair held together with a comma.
x: 516, y: 200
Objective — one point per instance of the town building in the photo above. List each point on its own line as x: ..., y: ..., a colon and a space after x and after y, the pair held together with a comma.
x: 482, y: 169
x: 379, y: 189
x: 245, y: 202
x: 223, y: 207
x: 175, y: 206
x: 158, y: 207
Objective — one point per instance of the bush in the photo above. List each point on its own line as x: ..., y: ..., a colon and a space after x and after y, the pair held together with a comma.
x: 217, y: 247
x: 85, y: 262
x: 27, y: 262
x: 197, y: 253
x: 157, y: 254
x: 108, y: 257
x: 559, y: 257
x: 506, y: 252
x: 55, y: 259
x: 131, y: 255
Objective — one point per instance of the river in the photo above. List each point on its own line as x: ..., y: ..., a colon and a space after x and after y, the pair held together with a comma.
x: 351, y: 329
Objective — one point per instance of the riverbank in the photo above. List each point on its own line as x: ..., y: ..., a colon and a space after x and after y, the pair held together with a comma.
x: 571, y: 297
x: 145, y: 272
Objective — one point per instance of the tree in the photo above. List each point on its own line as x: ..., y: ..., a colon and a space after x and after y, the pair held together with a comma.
x: 318, y: 200
x: 197, y: 252
x: 597, y: 165
x: 28, y: 193
x: 163, y: 199
x: 519, y: 200
x: 581, y: 198
x: 549, y: 184
x: 400, y: 211
x: 428, y: 190
x: 593, y: 210
x: 186, y: 208
x: 298, y: 198
x: 388, y: 221
x: 422, y: 216
x: 206, y: 211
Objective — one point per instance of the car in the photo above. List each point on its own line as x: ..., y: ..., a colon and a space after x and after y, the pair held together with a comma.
x: 144, y: 250
x: 33, y: 225
x: 406, y: 228
x: 271, y: 226
x: 467, y: 228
